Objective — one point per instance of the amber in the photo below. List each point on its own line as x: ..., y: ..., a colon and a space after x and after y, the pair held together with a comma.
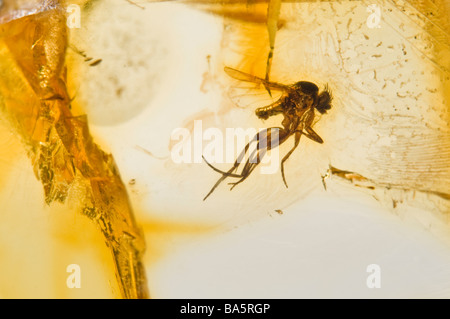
x: 35, y: 100
x: 385, y: 145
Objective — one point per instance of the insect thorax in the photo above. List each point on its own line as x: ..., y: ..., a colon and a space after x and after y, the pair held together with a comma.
x: 307, y: 87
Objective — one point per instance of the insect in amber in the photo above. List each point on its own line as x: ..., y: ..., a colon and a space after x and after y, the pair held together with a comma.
x: 297, y: 103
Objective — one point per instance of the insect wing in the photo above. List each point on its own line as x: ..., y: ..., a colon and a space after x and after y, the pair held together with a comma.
x: 245, y: 77
x: 248, y: 91
x: 245, y: 95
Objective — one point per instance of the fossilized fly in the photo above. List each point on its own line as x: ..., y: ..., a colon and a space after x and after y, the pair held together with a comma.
x: 297, y: 104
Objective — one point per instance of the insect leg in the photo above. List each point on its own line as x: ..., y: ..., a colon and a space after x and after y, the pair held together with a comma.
x: 224, y: 175
x: 215, y: 186
x: 227, y: 174
x: 247, y: 170
x: 236, y: 163
x: 231, y: 170
x: 297, y: 141
x: 257, y: 155
x: 312, y: 135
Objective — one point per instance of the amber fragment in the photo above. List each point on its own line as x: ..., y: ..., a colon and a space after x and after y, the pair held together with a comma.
x: 35, y: 101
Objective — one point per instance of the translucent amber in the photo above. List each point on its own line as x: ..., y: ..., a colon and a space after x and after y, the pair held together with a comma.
x: 386, y: 145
